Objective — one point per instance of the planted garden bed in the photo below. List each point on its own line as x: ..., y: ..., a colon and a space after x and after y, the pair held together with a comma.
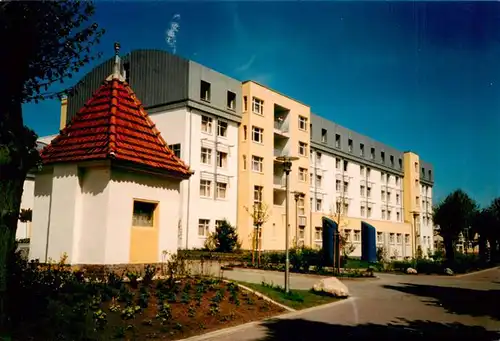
x: 75, y: 308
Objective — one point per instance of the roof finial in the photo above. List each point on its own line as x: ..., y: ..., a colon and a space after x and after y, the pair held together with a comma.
x: 117, y: 65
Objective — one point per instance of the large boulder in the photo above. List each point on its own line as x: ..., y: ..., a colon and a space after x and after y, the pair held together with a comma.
x: 331, y: 286
x: 411, y: 271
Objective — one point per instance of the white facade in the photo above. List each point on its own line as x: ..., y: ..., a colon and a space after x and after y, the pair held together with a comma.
x: 87, y: 213
x: 27, y: 200
x: 426, y: 224
x: 366, y: 192
x: 210, y: 195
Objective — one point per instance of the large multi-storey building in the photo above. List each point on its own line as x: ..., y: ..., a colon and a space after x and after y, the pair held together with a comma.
x: 230, y: 133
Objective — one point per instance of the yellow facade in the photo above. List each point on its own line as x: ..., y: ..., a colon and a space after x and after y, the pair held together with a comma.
x: 64, y: 113
x: 411, y: 195
x: 283, y: 124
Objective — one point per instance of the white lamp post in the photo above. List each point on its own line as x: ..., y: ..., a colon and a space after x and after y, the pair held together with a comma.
x: 287, y: 168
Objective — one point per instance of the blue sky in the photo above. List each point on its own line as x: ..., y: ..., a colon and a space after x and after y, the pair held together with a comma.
x: 374, y: 67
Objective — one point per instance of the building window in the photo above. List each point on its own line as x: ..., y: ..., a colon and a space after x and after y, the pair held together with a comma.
x: 257, y: 194
x: 311, y: 178
x: 369, y: 212
x: 372, y: 153
x: 369, y: 192
x: 368, y: 172
x: 303, y: 123
x: 337, y: 163
x: 382, y: 156
x: 361, y: 150
x: 319, y: 205
x: 205, y: 91
x: 362, y: 191
x: 222, y: 128
x: 301, y: 205
x: 388, y: 214
x: 318, y: 158
x: 257, y: 134
x: 337, y: 141
x: 218, y: 223
x: 361, y: 170
x: 206, y: 155
x: 347, y: 235
x: 244, y: 162
x: 380, y: 237
x: 257, y: 106
x: 382, y: 177
x: 221, y: 190
x: 398, y: 216
x: 302, y: 148
x: 176, y: 148
x: 338, y: 185
x: 302, y: 174
x: 221, y: 159
x: 416, y: 167
x: 407, y: 239
x: 318, y: 181
x: 324, y: 135
x: 382, y: 195
x: 383, y: 214
x: 430, y: 175
x: 362, y: 211
x: 399, y: 238
x: 400, y: 163
x: 206, y: 124
x: 318, y: 235
x: 391, y: 238
x: 391, y: 160
x: 357, y: 235
x: 245, y: 103
x: 231, y: 100
x: 302, y: 233
x: 397, y: 180
x: 257, y: 163
x: 143, y: 214
x: 205, y: 188
x: 346, y: 164
x: 349, y: 144
x: 203, y: 227
x: 245, y: 131
x: 389, y: 197
x: 346, y: 187
x: 346, y: 208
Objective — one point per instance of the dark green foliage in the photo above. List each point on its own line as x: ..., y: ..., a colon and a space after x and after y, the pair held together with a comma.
x: 453, y: 216
x: 225, y: 238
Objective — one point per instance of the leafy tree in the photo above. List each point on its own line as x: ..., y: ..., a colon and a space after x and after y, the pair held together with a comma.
x: 225, y: 238
x: 453, y: 215
x: 43, y: 42
x: 494, y: 233
x: 482, y: 224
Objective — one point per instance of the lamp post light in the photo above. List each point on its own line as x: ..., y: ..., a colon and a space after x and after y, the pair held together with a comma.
x: 287, y: 168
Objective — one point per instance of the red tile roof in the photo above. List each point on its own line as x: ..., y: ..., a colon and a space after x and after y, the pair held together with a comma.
x: 113, y: 125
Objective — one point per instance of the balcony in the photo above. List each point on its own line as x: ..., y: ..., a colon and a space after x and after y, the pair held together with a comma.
x: 279, y: 182
x: 281, y: 127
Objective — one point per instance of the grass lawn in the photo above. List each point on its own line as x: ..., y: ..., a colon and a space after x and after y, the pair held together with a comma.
x: 296, y: 299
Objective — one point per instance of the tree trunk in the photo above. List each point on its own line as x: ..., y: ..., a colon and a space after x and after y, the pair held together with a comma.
x: 17, y: 156
x: 449, y: 249
x: 10, y: 202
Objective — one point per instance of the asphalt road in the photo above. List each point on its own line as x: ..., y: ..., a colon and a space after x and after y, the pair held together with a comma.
x: 394, y: 307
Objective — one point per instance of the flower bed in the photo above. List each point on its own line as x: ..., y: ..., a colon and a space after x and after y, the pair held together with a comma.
x: 54, y: 302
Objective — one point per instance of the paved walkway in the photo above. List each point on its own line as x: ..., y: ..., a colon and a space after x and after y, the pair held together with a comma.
x: 394, y: 307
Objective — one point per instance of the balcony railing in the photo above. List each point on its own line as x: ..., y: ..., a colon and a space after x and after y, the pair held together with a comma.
x: 281, y: 126
x: 279, y: 180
